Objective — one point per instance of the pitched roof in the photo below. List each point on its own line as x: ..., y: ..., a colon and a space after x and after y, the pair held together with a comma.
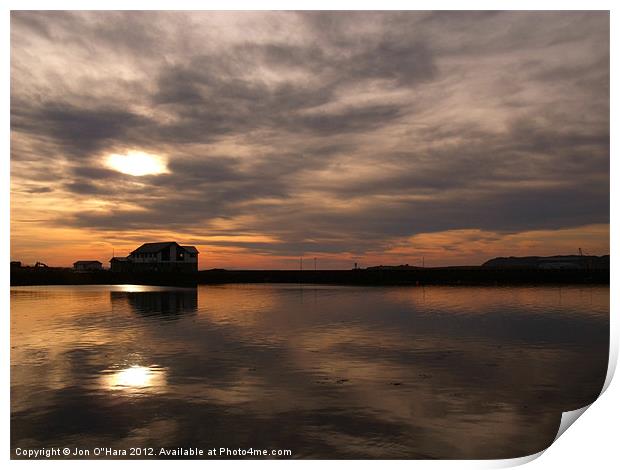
x: 153, y: 247
x: 158, y: 246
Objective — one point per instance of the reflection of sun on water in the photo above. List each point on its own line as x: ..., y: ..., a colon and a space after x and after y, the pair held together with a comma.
x: 136, y: 377
x: 133, y: 377
x: 135, y: 288
x: 137, y: 163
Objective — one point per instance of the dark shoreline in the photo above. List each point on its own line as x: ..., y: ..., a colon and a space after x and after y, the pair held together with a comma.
x: 465, y: 275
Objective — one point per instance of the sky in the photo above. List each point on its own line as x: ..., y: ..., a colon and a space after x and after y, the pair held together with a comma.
x: 266, y: 137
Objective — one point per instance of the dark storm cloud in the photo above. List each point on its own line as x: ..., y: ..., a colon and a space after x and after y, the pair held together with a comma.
x: 83, y: 187
x: 524, y: 155
x: 405, y: 63
x: 199, y: 171
x: 94, y: 173
x: 79, y: 130
x: 351, y: 120
x: 212, y: 99
x: 328, y: 131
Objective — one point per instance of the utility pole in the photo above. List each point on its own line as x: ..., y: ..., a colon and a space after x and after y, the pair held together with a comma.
x: 301, y: 266
x: 315, y: 264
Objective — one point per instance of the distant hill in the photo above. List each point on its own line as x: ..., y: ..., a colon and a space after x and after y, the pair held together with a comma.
x: 392, y: 268
x: 550, y: 262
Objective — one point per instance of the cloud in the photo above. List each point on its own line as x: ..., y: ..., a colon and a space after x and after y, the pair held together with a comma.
x: 322, y: 131
x: 79, y: 130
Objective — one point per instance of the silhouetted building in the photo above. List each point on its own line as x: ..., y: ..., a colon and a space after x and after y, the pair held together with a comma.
x: 16, y: 264
x: 85, y: 266
x: 160, y: 256
x: 550, y: 262
x: 120, y: 264
x: 401, y: 267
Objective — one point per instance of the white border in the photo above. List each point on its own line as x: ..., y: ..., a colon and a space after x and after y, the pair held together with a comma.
x: 310, y: 5
x: 592, y: 442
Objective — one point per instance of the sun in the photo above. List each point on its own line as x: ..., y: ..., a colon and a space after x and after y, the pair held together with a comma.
x: 137, y: 163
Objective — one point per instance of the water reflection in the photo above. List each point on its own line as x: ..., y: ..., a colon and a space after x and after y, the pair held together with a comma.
x: 135, y: 378
x: 158, y: 302
x: 356, y: 372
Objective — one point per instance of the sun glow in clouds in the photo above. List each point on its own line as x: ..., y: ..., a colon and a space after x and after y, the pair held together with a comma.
x: 137, y: 163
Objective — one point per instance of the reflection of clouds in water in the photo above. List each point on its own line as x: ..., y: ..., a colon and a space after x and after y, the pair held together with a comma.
x: 156, y: 433
x: 354, y: 372
x: 470, y: 300
x: 247, y: 307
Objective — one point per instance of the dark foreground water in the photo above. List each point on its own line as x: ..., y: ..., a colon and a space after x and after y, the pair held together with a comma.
x: 323, y: 371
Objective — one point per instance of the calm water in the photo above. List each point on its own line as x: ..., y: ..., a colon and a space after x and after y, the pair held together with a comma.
x: 325, y: 371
